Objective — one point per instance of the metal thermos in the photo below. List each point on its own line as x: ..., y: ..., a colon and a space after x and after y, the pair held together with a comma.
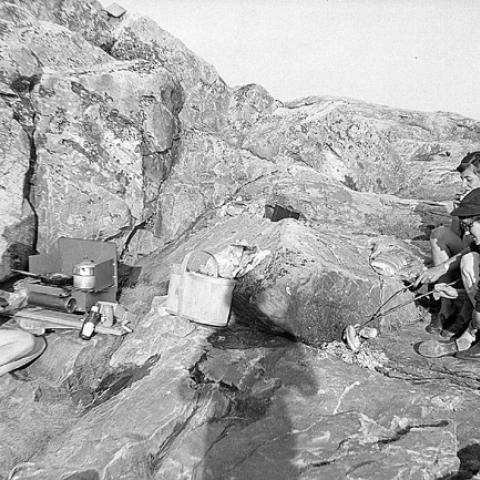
x: 84, y: 275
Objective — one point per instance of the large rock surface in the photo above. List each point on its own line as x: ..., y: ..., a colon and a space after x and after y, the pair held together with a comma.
x: 113, y: 129
x: 17, y: 219
x: 101, y: 161
x: 206, y: 94
x: 237, y: 403
x: 366, y: 147
x: 102, y: 130
x: 314, y: 282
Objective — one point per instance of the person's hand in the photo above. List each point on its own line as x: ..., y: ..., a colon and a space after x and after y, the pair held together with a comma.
x: 431, y: 275
x: 457, y: 199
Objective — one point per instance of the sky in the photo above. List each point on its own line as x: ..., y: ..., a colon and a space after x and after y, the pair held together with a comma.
x: 413, y: 54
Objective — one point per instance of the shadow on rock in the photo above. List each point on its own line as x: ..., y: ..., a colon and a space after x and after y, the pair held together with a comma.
x: 251, y: 384
x: 128, y: 275
x: 469, y: 463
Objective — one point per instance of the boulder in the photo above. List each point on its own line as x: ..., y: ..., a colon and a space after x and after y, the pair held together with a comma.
x: 28, y: 46
x: 17, y: 219
x: 206, y: 96
x: 211, y: 178
x: 100, y: 162
x: 31, y: 412
x: 314, y: 283
x: 87, y: 17
x: 207, y: 174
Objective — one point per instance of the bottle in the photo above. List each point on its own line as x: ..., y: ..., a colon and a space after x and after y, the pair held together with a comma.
x: 91, y: 321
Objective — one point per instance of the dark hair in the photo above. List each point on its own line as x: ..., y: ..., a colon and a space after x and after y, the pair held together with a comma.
x: 470, y: 159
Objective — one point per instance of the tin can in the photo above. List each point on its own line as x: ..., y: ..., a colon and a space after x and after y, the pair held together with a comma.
x: 107, y: 315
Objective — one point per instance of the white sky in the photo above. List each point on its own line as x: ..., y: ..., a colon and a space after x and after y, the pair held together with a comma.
x: 415, y: 54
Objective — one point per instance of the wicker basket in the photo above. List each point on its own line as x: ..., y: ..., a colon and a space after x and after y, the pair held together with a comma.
x: 201, y: 298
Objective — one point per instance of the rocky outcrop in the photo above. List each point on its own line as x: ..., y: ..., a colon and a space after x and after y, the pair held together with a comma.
x: 206, y: 95
x: 196, y: 402
x: 307, y: 286
x: 88, y: 18
x: 101, y: 161
x: 115, y: 130
x: 17, y: 220
x: 243, y: 132
x: 366, y: 147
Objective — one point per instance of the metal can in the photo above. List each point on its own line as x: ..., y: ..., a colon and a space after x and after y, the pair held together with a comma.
x: 107, y: 315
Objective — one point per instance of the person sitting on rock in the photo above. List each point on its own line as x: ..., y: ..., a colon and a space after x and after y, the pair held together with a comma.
x: 465, y: 345
x: 448, y: 245
x: 17, y: 347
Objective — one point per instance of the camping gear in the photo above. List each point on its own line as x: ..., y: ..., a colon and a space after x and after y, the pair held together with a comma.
x: 198, y: 297
x: 92, y: 319
x: 56, y: 279
x: 107, y: 312
x: 90, y: 265
x: 84, y: 275
x: 51, y: 319
x: 57, y: 301
x: 352, y: 332
x: 387, y: 265
x: 392, y: 260
x: 234, y: 261
x: 351, y: 337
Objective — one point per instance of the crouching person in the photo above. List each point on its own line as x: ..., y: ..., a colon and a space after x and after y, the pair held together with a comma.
x: 448, y: 245
x: 464, y: 345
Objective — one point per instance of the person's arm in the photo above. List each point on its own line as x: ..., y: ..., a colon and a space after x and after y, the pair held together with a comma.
x: 432, y: 274
x: 455, y: 226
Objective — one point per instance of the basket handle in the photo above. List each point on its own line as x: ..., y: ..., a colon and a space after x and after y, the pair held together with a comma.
x: 188, y: 256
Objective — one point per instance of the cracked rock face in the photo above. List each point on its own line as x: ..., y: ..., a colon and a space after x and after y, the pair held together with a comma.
x: 379, y: 149
x: 241, y: 403
x: 206, y: 94
x: 112, y: 129
x: 17, y: 220
x: 101, y: 160
x: 102, y: 131
x: 315, y: 281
